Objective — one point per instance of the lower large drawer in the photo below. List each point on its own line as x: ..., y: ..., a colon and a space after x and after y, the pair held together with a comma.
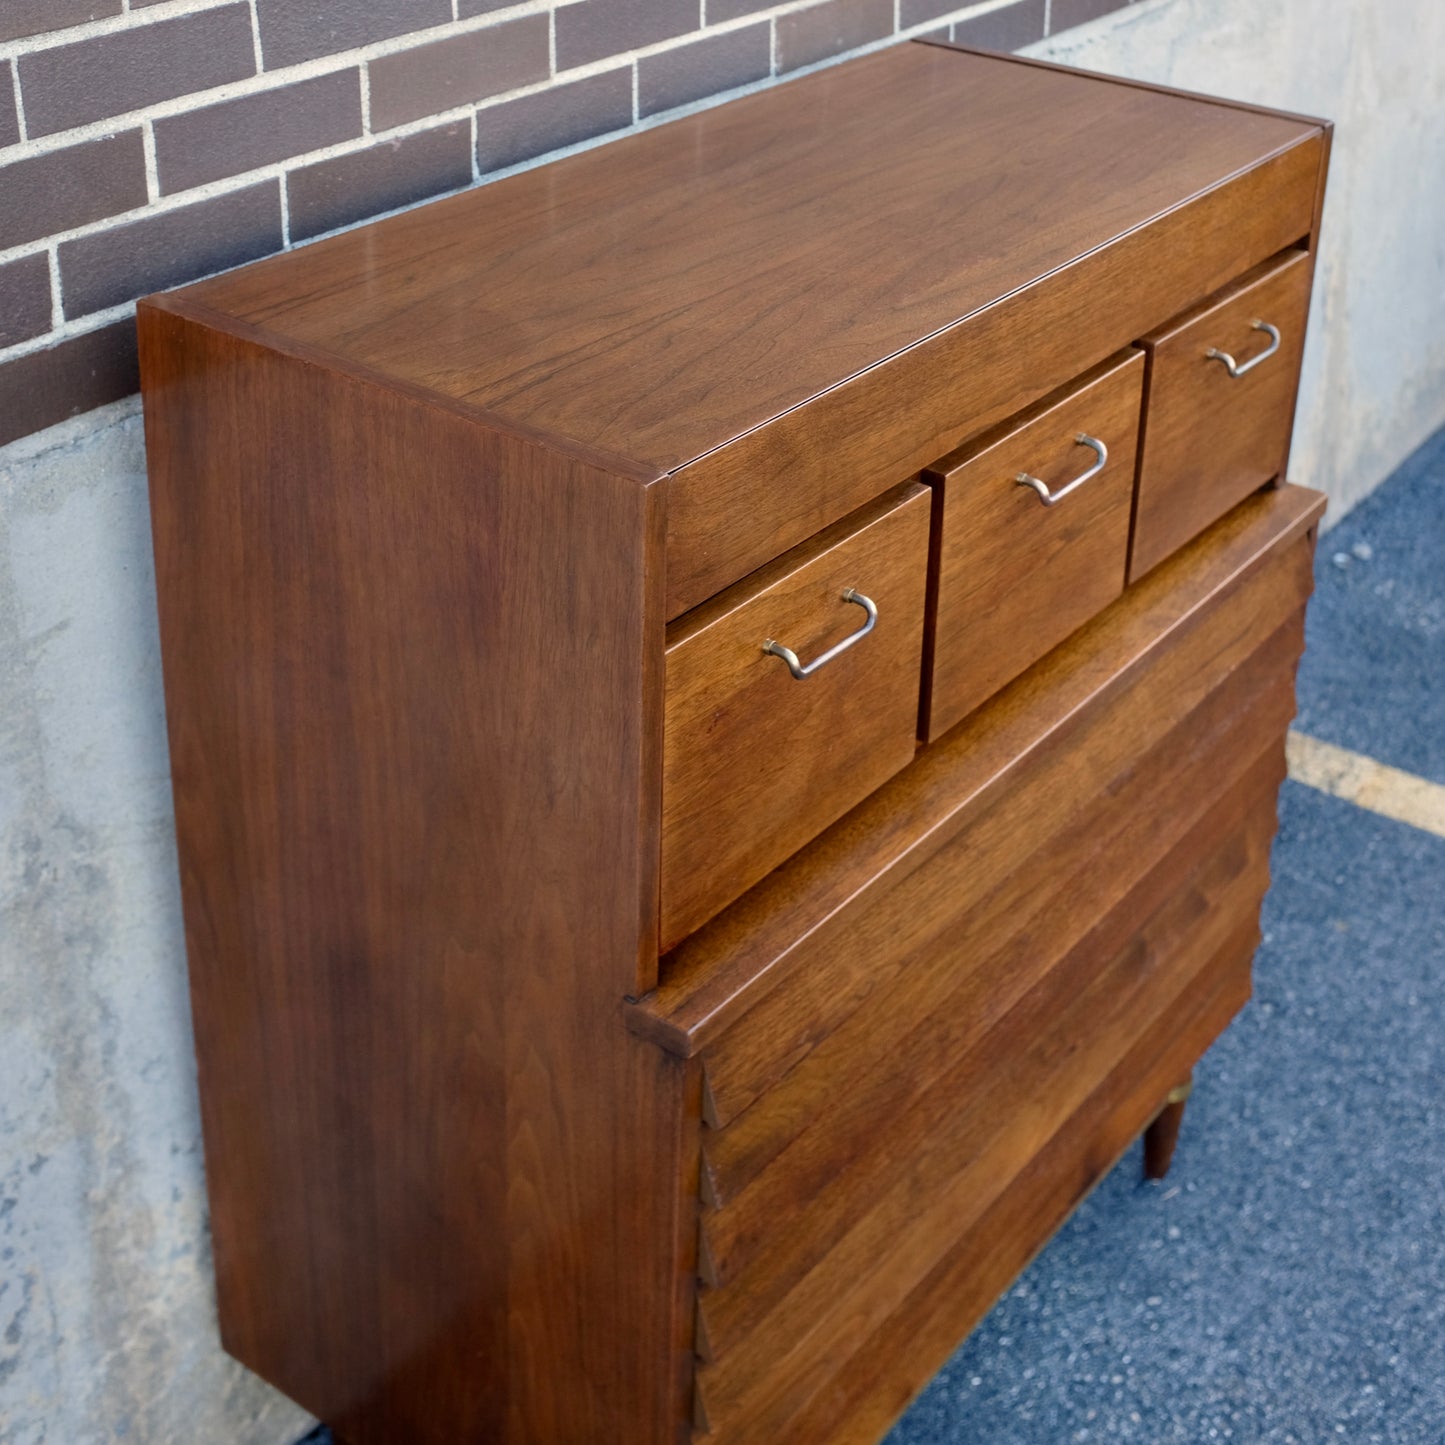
x: 974, y: 1042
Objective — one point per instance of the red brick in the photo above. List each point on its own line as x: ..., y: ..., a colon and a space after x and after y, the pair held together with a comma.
x: 24, y: 299
x: 297, y: 30
x: 37, y: 17
x: 256, y: 130
x: 77, y: 375
x: 429, y: 79
x: 88, y: 80
x: 706, y: 67
x: 599, y: 28
x: 807, y: 36
x: 127, y: 261
x: 395, y: 173
x: 517, y: 130
x: 73, y: 186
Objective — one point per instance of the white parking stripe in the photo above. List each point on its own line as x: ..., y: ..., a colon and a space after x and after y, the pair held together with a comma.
x: 1361, y: 780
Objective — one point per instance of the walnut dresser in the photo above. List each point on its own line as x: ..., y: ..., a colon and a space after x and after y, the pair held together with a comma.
x: 726, y: 697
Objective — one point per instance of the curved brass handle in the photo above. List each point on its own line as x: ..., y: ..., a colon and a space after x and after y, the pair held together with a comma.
x: 1235, y: 368
x: 801, y: 670
x: 1049, y: 498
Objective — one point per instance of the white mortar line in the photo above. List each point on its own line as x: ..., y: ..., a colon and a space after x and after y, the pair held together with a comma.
x: 1357, y: 779
x: 552, y: 41
x: 20, y: 124
x: 256, y: 38
x: 282, y: 187
x: 148, y: 149
x: 1048, y: 18
x: 57, y: 305
x: 366, y: 100
x: 636, y: 108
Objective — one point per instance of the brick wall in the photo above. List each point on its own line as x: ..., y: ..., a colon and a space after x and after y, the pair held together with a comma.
x: 144, y: 143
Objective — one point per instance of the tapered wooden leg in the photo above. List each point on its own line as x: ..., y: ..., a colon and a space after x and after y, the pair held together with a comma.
x: 1162, y: 1135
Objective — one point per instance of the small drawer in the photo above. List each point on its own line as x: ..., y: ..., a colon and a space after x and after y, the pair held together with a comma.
x: 757, y: 760
x: 1023, y: 563
x: 1220, y: 405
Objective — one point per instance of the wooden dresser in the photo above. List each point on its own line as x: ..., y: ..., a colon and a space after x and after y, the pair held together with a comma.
x: 726, y: 697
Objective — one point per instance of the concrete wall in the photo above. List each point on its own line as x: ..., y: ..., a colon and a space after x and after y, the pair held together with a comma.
x: 106, y: 1316
x: 107, y: 1327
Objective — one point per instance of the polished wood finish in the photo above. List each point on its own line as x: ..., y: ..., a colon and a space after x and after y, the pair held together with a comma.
x: 755, y: 761
x: 1162, y: 1136
x: 1211, y: 438
x: 1014, y: 575
x: 396, y: 830
x: 793, y: 918
x: 908, y: 1346
x: 890, y: 1224
x: 677, y: 298
x: 1123, y: 813
x: 604, y: 1035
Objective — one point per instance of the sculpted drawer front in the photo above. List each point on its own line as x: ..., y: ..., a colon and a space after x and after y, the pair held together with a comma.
x: 789, y: 698
x: 1033, y: 523
x: 1220, y: 405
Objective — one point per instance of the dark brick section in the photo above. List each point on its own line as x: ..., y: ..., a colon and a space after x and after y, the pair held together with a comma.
x: 148, y: 255
x: 1006, y: 29
x: 297, y: 30
x: 70, y: 85
x: 1068, y: 13
x: 706, y: 67
x: 520, y: 129
x: 9, y: 122
x: 466, y: 9
x: 256, y: 130
x: 74, y: 376
x: 599, y: 28
x: 24, y: 299
x: 807, y: 36
x: 720, y: 10
x: 429, y: 79
x: 35, y: 17
x: 395, y: 173
x: 71, y: 187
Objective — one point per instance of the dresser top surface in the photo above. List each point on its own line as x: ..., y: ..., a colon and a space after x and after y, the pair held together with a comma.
x: 653, y: 299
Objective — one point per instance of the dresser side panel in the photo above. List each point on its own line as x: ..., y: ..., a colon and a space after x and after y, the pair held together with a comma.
x: 413, y: 686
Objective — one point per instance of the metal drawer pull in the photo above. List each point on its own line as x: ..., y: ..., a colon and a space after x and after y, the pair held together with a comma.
x: 1232, y: 366
x: 1047, y: 497
x: 791, y: 658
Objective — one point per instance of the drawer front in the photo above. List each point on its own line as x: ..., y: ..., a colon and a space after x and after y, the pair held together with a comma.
x: 1219, y: 406
x: 795, y: 1300
x: 1021, y: 565
x: 906, y: 1131
x: 729, y: 511
x: 756, y: 760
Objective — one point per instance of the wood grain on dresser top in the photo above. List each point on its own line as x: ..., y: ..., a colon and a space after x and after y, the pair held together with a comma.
x: 649, y: 305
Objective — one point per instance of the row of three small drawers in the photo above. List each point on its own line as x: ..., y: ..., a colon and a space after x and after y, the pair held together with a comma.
x: 793, y: 695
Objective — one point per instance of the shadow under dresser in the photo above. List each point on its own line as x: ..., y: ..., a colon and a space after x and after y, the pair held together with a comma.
x: 726, y: 697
